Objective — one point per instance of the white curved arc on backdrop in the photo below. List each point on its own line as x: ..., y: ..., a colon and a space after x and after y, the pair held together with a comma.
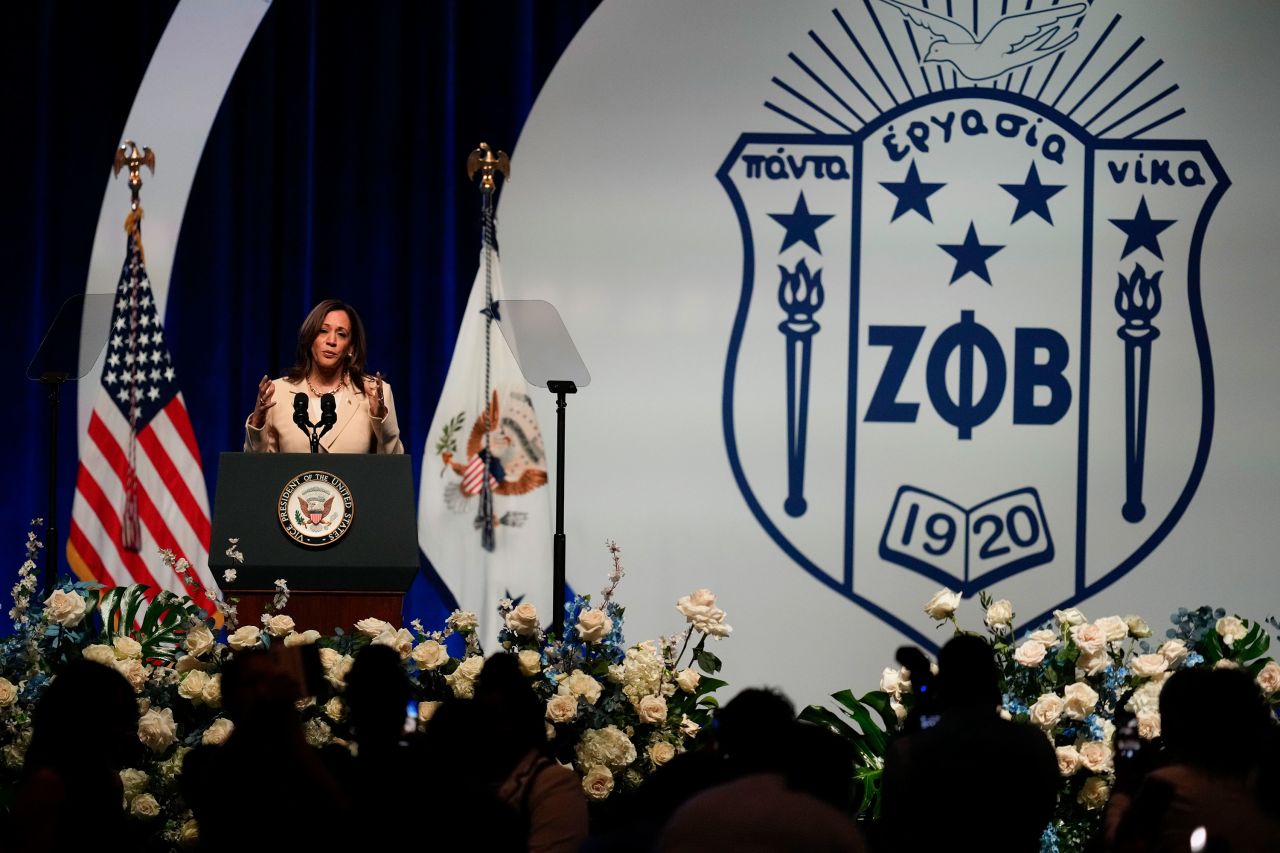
x: 172, y: 114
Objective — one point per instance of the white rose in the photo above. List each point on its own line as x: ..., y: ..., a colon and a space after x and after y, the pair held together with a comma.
x: 189, y: 835
x: 1069, y: 617
x: 1094, y: 793
x: 430, y: 655
x: 65, y: 608
x: 1149, y: 725
x: 401, y: 641
x: 1081, y: 699
x: 199, y: 641
x: 688, y: 727
x: 593, y: 625
x: 1095, y: 756
x: 695, y: 603
x: 337, y: 675
x: 652, y: 709
x: 562, y: 708
x: 699, y: 609
x: 133, y: 781
x: 1047, y: 710
x: 463, y: 679
x: 186, y: 663
x: 427, y: 710
x: 211, y: 695
x: 523, y: 620
x: 334, y: 709
x: 1226, y: 663
x: 530, y: 662
x: 1068, y: 760
x: 463, y: 621
x: 329, y: 657
x: 597, y: 783
x: 943, y: 604
x: 127, y: 647
x: 1092, y: 664
x: 218, y: 732
x: 1145, y: 666
x: 1268, y: 678
x: 1091, y: 638
x: 157, y: 729
x: 1146, y: 699
x: 305, y: 638
x: 1000, y: 613
x: 144, y: 806
x: 1030, y: 653
x: 99, y: 653
x: 1231, y: 629
x: 1114, y: 628
x: 899, y: 710
x: 373, y: 627
x: 193, y: 685
x: 246, y: 637
x: 279, y: 625
x: 134, y: 672
x: 317, y: 732
x: 895, y: 682
x: 1138, y: 626
x: 661, y: 752
x: 1174, y: 652
x: 8, y: 693
x: 1045, y: 637
x: 580, y: 684
x: 687, y: 679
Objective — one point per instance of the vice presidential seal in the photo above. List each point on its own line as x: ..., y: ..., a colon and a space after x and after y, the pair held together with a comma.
x: 315, y: 508
x: 970, y: 347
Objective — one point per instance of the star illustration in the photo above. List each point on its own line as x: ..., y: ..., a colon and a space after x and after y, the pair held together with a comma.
x: 912, y: 194
x: 1142, y: 232
x: 1033, y: 196
x: 802, y: 226
x: 971, y: 256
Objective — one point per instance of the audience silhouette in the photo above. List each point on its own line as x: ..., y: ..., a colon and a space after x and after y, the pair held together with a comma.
x: 84, y: 732
x: 1215, y: 725
x: 972, y: 773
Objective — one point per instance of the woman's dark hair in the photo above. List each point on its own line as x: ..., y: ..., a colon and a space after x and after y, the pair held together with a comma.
x: 310, y: 328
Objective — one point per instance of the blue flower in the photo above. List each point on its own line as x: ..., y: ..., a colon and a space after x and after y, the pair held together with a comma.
x: 1049, y: 840
x: 1096, y: 731
x: 1193, y: 659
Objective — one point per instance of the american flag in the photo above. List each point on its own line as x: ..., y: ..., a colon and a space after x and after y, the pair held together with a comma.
x: 140, y: 487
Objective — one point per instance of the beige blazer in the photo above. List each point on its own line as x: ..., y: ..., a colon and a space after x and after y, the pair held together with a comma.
x: 356, y: 431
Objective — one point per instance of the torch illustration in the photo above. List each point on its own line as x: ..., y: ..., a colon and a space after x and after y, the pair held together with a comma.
x: 800, y: 295
x: 1137, y: 303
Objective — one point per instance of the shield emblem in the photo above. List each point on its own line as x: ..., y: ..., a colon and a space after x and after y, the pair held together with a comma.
x: 969, y: 350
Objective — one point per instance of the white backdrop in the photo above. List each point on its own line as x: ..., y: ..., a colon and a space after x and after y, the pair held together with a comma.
x: 615, y: 214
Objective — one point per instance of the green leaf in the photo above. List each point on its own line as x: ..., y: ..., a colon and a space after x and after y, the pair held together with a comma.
x: 879, y: 701
x: 876, y: 738
x: 1213, y: 651
x: 1255, y: 643
x: 708, y: 662
x: 825, y: 717
x: 707, y: 684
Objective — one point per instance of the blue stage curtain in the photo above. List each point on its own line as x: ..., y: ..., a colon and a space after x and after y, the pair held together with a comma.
x: 335, y: 168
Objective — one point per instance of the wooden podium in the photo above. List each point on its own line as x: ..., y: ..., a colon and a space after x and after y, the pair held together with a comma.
x: 340, y: 528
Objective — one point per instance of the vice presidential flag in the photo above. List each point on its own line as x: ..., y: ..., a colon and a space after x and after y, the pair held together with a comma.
x: 139, y: 487
x: 484, y: 517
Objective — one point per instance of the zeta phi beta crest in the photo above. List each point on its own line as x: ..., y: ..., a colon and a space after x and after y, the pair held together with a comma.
x: 970, y: 348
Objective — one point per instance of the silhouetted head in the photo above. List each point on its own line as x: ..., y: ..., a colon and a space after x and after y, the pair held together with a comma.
x: 1214, y: 719
x: 821, y: 764
x: 753, y: 730
x: 257, y: 692
x: 87, y: 716
x: 506, y: 698
x: 377, y: 694
x: 967, y: 674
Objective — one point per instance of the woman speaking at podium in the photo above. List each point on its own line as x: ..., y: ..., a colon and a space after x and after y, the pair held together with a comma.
x: 330, y: 361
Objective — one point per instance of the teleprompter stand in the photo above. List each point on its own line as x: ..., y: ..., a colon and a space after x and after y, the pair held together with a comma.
x: 548, y: 359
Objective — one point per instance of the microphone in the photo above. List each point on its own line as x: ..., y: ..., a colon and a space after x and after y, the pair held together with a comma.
x: 328, y: 412
x: 300, y: 417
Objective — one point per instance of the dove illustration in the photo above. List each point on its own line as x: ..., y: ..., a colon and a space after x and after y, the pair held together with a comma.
x: 1011, y: 42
